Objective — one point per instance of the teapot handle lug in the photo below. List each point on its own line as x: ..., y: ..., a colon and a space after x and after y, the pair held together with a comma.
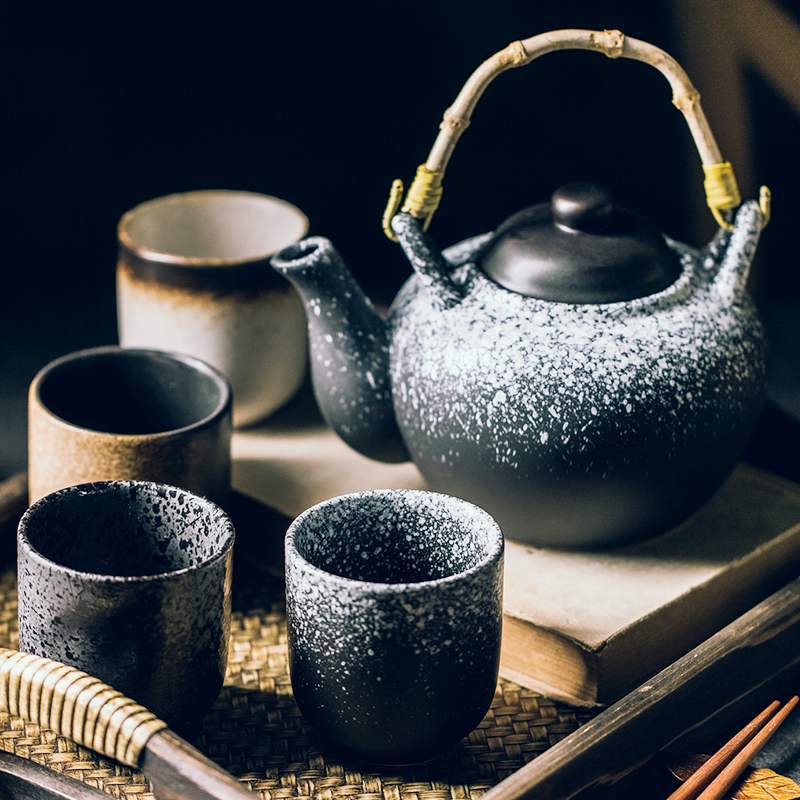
x: 735, y: 250
x: 427, y: 260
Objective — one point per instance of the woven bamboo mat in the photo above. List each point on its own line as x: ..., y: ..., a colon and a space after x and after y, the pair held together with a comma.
x: 255, y: 730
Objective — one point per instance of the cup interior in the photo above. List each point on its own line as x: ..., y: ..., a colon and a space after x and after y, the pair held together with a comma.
x: 395, y: 536
x: 126, y: 529
x: 115, y: 390
x: 213, y: 226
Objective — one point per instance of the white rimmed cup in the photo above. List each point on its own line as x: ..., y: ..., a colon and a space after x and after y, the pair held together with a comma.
x: 394, y: 607
x: 193, y: 276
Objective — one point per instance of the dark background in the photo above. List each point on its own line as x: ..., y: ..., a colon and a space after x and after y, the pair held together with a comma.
x: 323, y: 104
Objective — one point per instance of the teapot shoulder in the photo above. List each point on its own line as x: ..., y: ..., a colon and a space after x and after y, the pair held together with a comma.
x: 694, y: 292
x: 688, y: 325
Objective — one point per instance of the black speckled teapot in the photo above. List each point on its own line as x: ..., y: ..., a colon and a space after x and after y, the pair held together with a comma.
x: 576, y: 373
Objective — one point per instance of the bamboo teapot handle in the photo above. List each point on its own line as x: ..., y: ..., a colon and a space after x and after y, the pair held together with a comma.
x: 425, y: 192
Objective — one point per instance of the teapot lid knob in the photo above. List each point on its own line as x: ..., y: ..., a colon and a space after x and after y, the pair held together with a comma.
x: 582, y: 207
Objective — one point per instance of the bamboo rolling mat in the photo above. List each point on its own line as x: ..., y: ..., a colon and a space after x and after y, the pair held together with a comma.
x: 256, y: 731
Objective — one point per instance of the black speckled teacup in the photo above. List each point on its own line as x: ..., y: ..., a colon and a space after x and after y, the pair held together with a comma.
x: 394, y: 605
x: 130, y: 581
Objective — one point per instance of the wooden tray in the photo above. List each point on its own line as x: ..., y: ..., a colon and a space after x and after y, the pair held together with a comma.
x: 255, y: 729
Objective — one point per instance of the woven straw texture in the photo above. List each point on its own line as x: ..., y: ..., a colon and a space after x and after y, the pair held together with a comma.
x: 256, y: 731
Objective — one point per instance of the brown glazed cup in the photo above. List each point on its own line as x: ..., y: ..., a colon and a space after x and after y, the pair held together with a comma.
x: 194, y: 277
x: 124, y: 414
x: 131, y: 582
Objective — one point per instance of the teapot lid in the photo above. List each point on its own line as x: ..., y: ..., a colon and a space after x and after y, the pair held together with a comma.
x: 580, y: 248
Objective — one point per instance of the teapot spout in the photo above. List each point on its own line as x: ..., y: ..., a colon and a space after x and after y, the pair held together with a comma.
x: 349, y: 350
x: 734, y: 251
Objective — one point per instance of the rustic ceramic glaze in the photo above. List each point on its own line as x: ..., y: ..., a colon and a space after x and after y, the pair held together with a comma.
x: 394, y: 606
x: 193, y: 277
x: 111, y: 413
x: 130, y: 581
x: 572, y: 423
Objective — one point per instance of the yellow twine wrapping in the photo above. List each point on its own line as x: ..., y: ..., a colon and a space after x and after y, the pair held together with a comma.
x: 422, y: 199
x: 765, y: 204
x: 722, y: 192
x: 424, y: 194
x: 392, y: 204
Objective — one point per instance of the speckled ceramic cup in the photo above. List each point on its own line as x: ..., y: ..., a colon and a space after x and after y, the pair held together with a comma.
x: 130, y: 581
x: 193, y: 276
x: 394, y: 606
x: 124, y: 414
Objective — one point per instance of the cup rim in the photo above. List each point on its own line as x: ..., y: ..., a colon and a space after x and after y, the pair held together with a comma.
x: 152, y: 254
x: 223, y: 406
x: 496, y: 543
x: 23, y: 541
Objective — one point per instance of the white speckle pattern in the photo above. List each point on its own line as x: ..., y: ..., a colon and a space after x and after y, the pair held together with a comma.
x: 521, y: 404
x: 394, y: 603
x: 349, y: 349
x: 130, y: 581
x: 574, y: 425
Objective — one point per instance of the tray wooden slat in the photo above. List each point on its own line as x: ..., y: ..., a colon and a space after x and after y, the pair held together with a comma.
x: 256, y: 731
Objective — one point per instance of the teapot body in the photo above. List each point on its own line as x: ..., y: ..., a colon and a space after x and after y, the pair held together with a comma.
x: 577, y: 425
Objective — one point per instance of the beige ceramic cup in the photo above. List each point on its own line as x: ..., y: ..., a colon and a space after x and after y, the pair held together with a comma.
x: 125, y: 414
x: 194, y: 277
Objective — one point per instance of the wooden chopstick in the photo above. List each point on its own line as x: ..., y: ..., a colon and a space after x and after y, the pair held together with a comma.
x: 717, y: 789
x: 703, y: 776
